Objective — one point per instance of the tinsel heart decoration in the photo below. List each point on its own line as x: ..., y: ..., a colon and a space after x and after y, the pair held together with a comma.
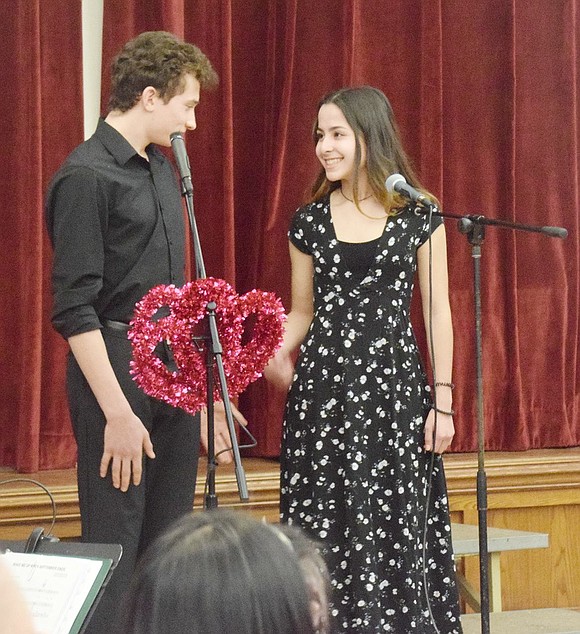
x: 183, y: 310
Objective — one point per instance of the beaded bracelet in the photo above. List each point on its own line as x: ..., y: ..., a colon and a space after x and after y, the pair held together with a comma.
x: 444, y: 384
x: 449, y: 413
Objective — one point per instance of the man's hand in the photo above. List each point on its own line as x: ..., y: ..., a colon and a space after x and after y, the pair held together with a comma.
x: 222, y: 440
x: 125, y: 440
x: 125, y: 435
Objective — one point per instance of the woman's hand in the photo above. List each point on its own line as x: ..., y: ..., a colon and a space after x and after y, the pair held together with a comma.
x: 280, y: 371
x: 444, y: 435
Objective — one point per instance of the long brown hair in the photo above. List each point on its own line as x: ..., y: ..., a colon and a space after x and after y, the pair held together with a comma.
x: 370, y: 115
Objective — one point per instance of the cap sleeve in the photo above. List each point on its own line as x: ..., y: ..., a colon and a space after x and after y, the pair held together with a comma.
x: 300, y: 230
x: 426, y: 228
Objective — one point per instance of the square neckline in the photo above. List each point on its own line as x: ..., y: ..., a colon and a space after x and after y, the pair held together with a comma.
x: 329, y: 209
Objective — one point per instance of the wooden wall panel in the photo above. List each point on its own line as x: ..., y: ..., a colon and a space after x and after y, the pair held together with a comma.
x: 536, y: 490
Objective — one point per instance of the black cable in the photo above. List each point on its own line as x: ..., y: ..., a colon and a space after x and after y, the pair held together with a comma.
x: 434, y: 398
x: 243, y: 428
x: 30, y: 480
x: 253, y: 443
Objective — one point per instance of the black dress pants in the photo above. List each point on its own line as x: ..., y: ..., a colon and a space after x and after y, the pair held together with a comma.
x: 132, y: 519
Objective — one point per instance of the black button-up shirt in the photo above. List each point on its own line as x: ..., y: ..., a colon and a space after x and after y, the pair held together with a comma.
x: 116, y: 224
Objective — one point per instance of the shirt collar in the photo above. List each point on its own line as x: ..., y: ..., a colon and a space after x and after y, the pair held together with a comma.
x: 121, y: 150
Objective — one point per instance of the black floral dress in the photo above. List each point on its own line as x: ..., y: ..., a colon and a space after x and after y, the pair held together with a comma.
x: 353, y: 470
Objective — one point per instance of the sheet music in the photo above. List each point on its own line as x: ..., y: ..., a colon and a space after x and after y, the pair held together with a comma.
x: 55, y: 588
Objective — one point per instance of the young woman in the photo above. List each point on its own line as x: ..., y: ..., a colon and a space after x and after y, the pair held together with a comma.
x: 361, y: 464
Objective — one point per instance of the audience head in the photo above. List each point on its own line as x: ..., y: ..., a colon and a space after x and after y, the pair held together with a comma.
x: 315, y: 574
x: 220, y: 572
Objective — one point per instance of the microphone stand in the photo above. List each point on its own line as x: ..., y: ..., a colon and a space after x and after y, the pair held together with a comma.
x: 212, y: 345
x: 473, y: 226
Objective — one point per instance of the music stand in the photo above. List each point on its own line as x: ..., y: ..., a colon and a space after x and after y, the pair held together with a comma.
x: 47, y: 546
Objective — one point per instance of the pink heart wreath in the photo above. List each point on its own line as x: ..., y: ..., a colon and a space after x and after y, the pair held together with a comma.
x: 183, y: 309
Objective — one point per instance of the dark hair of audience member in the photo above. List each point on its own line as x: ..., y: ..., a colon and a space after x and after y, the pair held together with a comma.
x: 219, y: 572
x: 315, y: 574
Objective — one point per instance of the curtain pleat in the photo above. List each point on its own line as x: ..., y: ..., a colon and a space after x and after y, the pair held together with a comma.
x: 42, y: 121
x: 486, y: 96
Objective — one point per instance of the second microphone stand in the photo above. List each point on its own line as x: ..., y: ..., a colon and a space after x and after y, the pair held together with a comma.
x: 213, y: 346
x: 473, y: 226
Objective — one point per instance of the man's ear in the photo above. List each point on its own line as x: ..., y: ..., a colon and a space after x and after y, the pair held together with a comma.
x: 149, y: 98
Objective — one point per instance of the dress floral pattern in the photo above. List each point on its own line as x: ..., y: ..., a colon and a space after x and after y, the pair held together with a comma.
x: 353, y: 470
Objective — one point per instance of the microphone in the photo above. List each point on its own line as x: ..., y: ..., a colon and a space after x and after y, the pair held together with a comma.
x: 397, y: 183
x: 182, y: 160
x: 555, y: 232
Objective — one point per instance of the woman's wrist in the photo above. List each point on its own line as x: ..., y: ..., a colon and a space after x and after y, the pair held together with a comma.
x: 443, y: 395
x: 447, y: 384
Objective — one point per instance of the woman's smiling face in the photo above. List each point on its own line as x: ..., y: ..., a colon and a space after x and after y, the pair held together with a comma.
x: 336, y: 145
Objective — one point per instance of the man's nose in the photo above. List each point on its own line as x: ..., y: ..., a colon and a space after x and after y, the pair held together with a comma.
x: 191, y: 123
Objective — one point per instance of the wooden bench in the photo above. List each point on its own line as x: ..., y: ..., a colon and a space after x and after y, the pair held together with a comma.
x: 465, y: 539
x: 541, y: 621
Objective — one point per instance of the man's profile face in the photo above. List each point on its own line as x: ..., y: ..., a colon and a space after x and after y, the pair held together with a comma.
x: 177, y: 114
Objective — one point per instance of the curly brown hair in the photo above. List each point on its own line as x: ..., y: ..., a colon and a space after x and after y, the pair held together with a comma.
x: 158, y: 59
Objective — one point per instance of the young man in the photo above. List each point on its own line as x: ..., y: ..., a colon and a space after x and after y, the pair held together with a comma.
x: 115, y: 218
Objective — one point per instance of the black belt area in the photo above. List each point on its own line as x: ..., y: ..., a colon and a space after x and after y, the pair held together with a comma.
x: 162, y: 349
x: 120, y: 326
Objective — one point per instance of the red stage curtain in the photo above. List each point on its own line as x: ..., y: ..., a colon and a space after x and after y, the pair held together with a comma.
x: 42, y: 120
x: 486, y: 94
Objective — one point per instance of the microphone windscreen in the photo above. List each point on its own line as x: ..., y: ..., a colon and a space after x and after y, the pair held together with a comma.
x: 394, y: 180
